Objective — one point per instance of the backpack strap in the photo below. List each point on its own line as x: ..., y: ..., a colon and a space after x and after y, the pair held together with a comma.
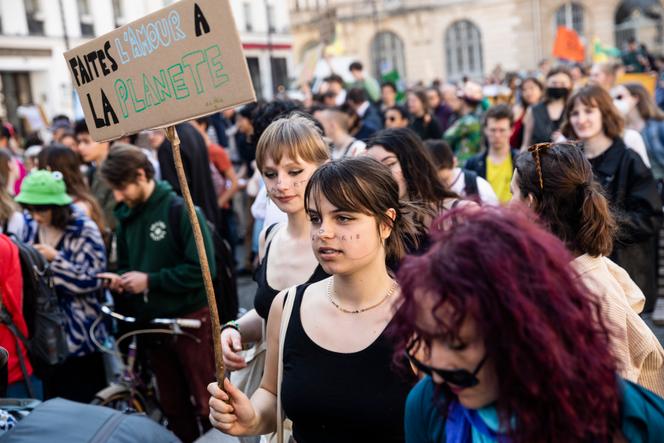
x: 285, y: 319
x: 470, y: 179
x: 175, y: 220
x: 6, y: 318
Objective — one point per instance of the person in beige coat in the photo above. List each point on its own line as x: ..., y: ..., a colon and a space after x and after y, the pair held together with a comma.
x: 556, y: 181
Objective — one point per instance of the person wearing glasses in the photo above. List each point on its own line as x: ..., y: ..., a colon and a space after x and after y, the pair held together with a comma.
x: 591, y: 117
x: 397, y: 117
x: 496, y: 163
x: 338, y: 381
x: 556, y: 181
x: 504, y: 338
x: 73, y: 245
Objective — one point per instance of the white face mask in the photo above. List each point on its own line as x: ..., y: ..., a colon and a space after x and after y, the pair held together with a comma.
x: 623, y: 107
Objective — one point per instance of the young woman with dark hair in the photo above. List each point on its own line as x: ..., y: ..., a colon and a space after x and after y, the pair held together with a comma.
x: 424, y: 122
x: 505, y: 336
x: 412, y: 167
x: 338, y: 384
x: 557, y: 182
x: 72, y: 244
x: 59, y: 158
x: 591, y: 117
x: 531, y: 91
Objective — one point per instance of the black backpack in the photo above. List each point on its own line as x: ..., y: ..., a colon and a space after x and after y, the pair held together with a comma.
x: 47, y: 345
x: 470, y: 179
x: 225, y: 283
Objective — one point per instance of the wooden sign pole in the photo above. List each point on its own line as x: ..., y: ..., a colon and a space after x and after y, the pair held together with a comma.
x: 172, y: 136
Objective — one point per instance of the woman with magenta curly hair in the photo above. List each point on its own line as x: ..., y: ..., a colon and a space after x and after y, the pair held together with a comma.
x: 493, y: 314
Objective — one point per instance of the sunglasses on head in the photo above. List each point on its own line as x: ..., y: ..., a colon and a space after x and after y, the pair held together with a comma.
x: 462, y: 378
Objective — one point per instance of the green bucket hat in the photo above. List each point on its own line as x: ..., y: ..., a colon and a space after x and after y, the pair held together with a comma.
x: 44, y: 188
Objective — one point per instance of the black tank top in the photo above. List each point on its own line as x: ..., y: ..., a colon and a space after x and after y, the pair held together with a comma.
x: 337, y: 397
x: 543, y: 127
x: 264, y: 292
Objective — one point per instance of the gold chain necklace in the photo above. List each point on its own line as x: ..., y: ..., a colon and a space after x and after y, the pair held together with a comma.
x: 359, y: 311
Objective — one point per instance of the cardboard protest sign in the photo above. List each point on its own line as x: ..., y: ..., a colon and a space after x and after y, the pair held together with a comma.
x: 181, y: 62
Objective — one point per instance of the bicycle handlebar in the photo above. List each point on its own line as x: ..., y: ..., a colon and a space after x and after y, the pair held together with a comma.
x: 191, y: 323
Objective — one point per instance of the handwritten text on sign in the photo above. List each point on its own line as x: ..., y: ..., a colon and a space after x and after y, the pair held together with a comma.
x: 176, y: 64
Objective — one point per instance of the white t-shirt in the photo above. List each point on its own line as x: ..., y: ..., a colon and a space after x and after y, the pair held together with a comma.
x: 635, y: 142
x: 487, y: 195
x: 353, y: 149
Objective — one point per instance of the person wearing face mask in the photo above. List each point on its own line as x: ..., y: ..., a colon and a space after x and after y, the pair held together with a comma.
x: 542, y: 121
x: 631, y: 137
x: 643, y: 115
x: 481, y: 317
x: 591, y: 117
x: 465, y: 134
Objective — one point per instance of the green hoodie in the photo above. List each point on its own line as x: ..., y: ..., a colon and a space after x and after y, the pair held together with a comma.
x: 145, y: 243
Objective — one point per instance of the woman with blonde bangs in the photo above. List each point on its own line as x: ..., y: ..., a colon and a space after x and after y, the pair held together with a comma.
x: 591, y: 117
x: 287, y: 154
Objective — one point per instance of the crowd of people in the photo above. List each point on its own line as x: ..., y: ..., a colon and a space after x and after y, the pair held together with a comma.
x: 434, y: 263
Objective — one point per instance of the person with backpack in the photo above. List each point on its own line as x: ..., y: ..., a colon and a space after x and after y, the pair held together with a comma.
x: 159, y: 275
x: 11, y: 292
x: 464, y: 182
x: 72, y: 244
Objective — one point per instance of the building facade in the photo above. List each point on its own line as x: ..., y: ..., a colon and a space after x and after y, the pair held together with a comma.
x: 35, y: 33
x: 449, y: 39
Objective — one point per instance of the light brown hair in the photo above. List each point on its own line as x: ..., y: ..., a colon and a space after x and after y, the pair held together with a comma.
x: 568, y: 199
x: 596, y: 97
x: 296, y: 136
x: 646, y: 106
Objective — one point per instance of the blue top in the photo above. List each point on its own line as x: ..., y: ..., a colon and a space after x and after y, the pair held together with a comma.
x: 642, y: 416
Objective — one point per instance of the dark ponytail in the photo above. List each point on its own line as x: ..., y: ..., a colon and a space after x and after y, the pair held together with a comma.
x: 597, y: 227
x: 567, y: 198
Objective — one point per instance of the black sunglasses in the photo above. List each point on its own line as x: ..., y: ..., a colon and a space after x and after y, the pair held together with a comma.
x: 38, y: 208
x: 462, y: 378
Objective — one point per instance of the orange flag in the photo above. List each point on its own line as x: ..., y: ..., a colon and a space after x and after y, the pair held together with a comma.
x: 568, y: 45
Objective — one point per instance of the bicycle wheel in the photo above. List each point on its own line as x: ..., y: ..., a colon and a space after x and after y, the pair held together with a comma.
x: 122, y: 401
x: 126, y: 401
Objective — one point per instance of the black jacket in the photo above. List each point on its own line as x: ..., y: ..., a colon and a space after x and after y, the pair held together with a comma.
x: 478, y: 162
x: 632, y: 191
x: 196, y: 162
